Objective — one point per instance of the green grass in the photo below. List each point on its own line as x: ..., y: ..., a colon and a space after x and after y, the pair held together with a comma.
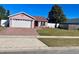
x: 56, y: 42
x: 58, y: 32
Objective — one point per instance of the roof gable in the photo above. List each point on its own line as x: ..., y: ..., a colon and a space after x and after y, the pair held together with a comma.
x: 21, y: 16
x: 25, y: 16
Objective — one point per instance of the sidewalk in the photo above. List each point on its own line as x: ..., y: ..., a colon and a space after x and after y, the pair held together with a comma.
x: 16, y: 43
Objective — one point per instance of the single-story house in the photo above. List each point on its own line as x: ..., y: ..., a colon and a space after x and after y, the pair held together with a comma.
x: 24, y: 20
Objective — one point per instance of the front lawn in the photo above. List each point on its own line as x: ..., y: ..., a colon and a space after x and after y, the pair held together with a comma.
x: 2, y: 28
x: 58, y: 32
x: 62, y: 42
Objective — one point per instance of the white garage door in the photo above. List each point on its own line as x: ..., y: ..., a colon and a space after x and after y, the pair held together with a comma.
x: 21, y: 23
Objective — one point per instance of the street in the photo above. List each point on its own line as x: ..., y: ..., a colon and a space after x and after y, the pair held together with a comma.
x: 42, y: 51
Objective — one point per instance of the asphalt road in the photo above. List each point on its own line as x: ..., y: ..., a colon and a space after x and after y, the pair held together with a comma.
x: 48, y: 50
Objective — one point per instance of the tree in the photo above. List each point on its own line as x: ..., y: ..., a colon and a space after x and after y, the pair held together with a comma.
x: 3, y: 13
x: 56, y: 15
x: 7, y: 14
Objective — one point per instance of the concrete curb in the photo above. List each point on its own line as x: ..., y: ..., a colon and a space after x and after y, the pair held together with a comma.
x: 38, y: 49
x: 57, y: 36
x: 39, y: 36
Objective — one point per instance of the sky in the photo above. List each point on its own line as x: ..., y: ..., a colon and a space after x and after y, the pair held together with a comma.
x: 70, y: 10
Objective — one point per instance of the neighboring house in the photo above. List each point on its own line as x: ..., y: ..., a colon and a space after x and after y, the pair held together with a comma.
x: 72, y: 24
x: 24, y: 20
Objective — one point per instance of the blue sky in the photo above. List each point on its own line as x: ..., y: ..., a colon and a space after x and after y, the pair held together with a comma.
x: 70, y: 10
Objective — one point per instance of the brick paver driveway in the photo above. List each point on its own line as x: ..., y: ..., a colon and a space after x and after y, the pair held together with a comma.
x: 19, y: 39
x: 19, y: 31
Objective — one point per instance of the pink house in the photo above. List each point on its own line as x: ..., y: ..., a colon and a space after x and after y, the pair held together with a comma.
x: 24, y: 20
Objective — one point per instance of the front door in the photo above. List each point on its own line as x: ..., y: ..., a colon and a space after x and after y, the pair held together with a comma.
x: 36, y: 23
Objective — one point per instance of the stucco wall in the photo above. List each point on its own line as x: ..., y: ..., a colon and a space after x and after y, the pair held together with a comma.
x: 39, y: 24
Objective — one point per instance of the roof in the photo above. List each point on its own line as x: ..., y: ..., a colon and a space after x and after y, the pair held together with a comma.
x: 70, y: 23
x: 37, y: 18
x: 40, y: 18
x: 21, y: 13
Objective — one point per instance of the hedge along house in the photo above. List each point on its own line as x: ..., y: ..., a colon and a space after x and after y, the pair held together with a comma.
x: 24, y: 20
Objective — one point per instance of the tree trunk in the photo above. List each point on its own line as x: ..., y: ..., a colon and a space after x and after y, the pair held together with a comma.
x: 0, y: 22
x: 55, y: 25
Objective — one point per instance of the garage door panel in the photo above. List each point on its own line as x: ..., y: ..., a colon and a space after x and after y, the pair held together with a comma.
x: 26, y: 24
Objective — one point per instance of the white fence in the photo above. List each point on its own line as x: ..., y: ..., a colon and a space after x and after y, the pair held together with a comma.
x: 52, y: 25
x: 4, y: 22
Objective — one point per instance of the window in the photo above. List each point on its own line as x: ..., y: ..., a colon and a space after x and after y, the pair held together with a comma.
x: 42, y: 23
